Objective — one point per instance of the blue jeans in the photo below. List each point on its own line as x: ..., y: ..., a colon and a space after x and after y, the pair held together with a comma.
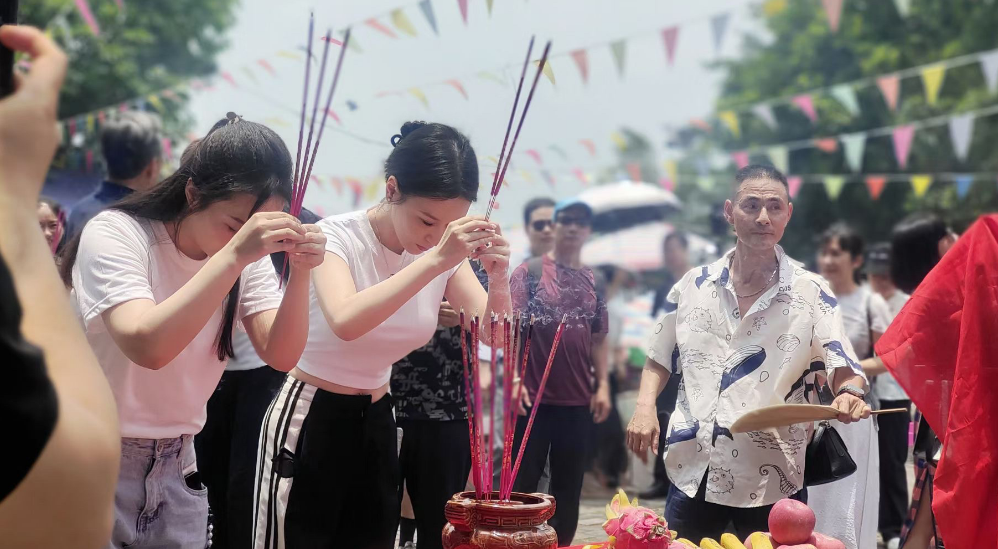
x: 160, y: 501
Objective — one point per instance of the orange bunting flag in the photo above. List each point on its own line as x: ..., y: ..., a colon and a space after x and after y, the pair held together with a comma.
x: 828, y: 144
x: 582, y: 61
x: 890, y: 87
x: 378, y: 26
x: 875, y: 184
x: 456, y: 84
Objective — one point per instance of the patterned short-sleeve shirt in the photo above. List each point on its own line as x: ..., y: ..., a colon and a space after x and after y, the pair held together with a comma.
x: 785, y: 349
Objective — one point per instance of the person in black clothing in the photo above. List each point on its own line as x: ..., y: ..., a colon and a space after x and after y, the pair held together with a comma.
x: 60, y: 421
x: 130, y: 142
x: 675, y: 251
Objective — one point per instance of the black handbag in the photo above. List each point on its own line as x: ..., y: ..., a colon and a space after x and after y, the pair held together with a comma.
x: 826, y: 459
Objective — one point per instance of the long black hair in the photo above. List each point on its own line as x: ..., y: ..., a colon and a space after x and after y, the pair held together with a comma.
x: 915, y: 249
x: 235, y: 157
x: 433, y: 161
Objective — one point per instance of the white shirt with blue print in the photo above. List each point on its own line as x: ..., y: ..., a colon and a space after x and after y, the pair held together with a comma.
x: 786, y: 349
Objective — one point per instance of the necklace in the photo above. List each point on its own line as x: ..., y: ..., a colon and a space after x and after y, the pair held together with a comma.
x: 384, y: 253
x: 766, y: 285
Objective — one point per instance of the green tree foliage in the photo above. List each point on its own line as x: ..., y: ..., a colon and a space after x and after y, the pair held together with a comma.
x: 802, y: 53
x: 147, y: 47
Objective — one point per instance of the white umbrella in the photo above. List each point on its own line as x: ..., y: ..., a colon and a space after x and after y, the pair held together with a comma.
x: 628, y: 203
x: 639, y: 248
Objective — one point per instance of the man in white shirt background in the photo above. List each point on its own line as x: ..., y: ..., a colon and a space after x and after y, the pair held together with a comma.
x: 788, y: 344
x: 893, y: 434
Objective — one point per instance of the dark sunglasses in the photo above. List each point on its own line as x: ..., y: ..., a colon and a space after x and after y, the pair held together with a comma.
x: 541, y: 224
x: 577, y: 221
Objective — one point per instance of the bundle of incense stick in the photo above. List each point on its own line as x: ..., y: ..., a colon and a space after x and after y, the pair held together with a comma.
x: 513, y: 341
x: 501, y: 167
x: 303, y: 167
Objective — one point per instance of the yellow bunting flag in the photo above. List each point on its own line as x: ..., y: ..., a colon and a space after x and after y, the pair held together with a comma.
x: 932, y: 79
x: 90, y: 123
x: 402, y: 22
x: 486, y: 75
x: 488, y: 4
x: 418, y: 94
x: 371, y: 190
x: 290, y: 55
x: 921, y: 184
x: 730, y: 120
x: 548, y: 71
x: 274, y: 121
x: 155, y: 102
x: 671, y: 169
x: 833, y: 186
x: 618, y: 140
x: 773, y: 7
x: 526, y: 176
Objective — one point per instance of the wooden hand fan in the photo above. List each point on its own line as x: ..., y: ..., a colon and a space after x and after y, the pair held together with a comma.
x: 783, y: 415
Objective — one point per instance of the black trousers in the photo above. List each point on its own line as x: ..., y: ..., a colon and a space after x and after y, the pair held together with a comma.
x: 893, y: 440
x: 694, y: 518
x: 226, y: 450
x: 661, y: 478
x: 435, y: 461
x: 561, y: 433
x: 610, y: 442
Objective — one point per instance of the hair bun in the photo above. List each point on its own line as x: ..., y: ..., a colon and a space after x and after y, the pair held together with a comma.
x: 407, y: 128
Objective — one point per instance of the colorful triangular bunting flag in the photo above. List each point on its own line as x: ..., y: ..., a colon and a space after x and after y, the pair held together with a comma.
x: 963, y: 184
x: 855, y: 145
x: 582, y: 61
x: 793, y: 183
x: 378, y: 26
x: 402, y: 23
x: 88, y: 16
x: 456, y: 84
x: 805, y: 103
x: 418, y: 94
x: 427, y: 8
x: 827, y: 144
x: 833, y: 9
x: 932, y: 80
x: 618, y: 140
x: 903, y: 6
x: 590, y: 146
x: 765, y: 113
x: 667, y: 184
x: 561, y: 152
x: 741, y: 158
x: 705, y: 182
x: 671, y: 170
x: 634, y: 171
x: 921, y: 183
x: 463, y: 4
x: 619, y: 51
x: 730, y: 119
x: 773, y: 7
x: 532, y: 153
x: 548, y: 71
x: 669, y: 37
x: 719, y: 24
x: 890, y: 87
x: 846, y: 95
x: 989, y: 66
x: 961, y: 129
x: 833, y: 186
x: 780, y: 157
x: 488, y: 4
x: 903, y: 136
x: 875, y: 184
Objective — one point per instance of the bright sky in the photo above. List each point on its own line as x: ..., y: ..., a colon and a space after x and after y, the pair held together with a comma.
x: 651, y: 95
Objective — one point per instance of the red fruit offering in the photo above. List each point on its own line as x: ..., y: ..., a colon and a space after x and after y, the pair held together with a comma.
x: 791, y: 522
x: 821, y: 541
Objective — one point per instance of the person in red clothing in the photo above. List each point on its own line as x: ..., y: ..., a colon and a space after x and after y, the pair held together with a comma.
x: 550, y: 287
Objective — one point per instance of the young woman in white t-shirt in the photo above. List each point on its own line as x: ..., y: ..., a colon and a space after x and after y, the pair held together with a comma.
x: 159, y: 281
x: 328, y: 472
x: 848, y: 509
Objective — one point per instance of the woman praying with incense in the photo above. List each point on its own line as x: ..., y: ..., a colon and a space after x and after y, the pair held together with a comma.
x: 328, y: 472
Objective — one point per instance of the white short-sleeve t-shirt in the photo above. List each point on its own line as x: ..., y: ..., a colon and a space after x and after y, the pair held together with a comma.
x: 121, y: 259
x: 366, y: 362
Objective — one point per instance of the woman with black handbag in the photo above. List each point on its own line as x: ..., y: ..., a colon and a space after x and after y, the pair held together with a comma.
x: 848, y: 508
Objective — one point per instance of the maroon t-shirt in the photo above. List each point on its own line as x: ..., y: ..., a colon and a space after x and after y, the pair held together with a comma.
x: 560, y: 291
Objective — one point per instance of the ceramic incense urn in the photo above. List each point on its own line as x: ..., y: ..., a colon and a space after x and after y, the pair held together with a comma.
x: 520, y: 523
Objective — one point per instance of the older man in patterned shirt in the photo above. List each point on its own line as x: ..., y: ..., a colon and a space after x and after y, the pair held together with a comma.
x: 788, y: 346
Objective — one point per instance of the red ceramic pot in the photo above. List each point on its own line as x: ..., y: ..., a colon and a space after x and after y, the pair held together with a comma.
x: 520, y: 523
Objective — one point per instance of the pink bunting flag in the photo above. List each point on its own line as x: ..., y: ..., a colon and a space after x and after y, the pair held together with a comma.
x: 581, y: 175
x: 72, y: 127
x: 378, y: 26
x: 337, y: 183
x: 315, y: 179
x: 903, y: 136
x: 794, y: 182
x: 827, y: 144
x: 357, y: 188
x: 667, y: 184
x: 167, y: 147
x: 456, y: 84
x: 582, y: 61
x: 532, y: 153
x: 120, y: 4
x: 890, y: 87
x: 833, y: 9
x: 741, y: 158
x: 670, y: 37
x: 227, y: 76
x: 266, y: 66
x: 331, y: 40
x: 88, y: 16
x: 90, y: 161
x: 634, y: 171
x: 590, y: 146
x: 335, y: 116
x: 805, y: 103
x: 101, y: 117
x: 463, y: 4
